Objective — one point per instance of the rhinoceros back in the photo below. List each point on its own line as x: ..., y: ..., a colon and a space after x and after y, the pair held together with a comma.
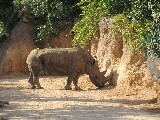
x: 62, y: 61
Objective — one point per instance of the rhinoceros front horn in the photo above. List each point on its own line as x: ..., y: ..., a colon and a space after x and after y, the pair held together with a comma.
x: 104, y: 72
x: 108, y: 77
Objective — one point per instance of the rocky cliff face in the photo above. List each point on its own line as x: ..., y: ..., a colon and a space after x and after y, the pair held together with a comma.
x: 16, y: 48
x: 129, y: 69
x: 63, y: 39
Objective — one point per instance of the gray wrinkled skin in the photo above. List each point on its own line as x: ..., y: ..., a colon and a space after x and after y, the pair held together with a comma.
x: 72, y: 62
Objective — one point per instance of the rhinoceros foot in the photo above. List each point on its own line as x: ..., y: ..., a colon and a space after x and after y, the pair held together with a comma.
x: 3, y: 118
x: 77, y: 88
x: 68, y: 87
x: 33, y: 87
x: 3, y: 103
x: 40, y: 88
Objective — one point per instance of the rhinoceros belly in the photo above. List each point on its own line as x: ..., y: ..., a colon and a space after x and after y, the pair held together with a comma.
x: 56, y: 64
x: 56, y: 69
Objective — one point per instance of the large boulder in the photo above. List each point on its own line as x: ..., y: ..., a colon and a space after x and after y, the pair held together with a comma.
x: 153, y: 64
x: 16, y: 48
x: 62, y: 40
x: 154, y: 68
x: 129, y: 69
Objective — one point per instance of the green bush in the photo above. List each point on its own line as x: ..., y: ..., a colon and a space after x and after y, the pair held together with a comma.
x: 8, y: 18
x: 49, y: 16
x: 92, y: 13
x: 130, y: 31
x: 137, y: 20
x: 3, y: 33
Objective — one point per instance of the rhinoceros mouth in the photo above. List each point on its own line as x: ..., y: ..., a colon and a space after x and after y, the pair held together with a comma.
x: 99, y: 85
x: 96, y: 82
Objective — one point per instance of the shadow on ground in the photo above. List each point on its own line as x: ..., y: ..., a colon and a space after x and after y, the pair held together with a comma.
x: 78, y: 112
x: 28, y: 104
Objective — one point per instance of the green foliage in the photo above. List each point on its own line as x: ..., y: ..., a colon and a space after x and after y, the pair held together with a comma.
x: 3, y: 33
x: 8, y: 18
x: 137, y: 20
x: 49, y: 16
x: 92, y: 13
x: 146, y: 14
x: 115, y: 7
x: 130, y: 30
x: 151, y: 37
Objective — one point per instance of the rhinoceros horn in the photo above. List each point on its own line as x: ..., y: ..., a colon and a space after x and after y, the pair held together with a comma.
x: 104, y: 72
x: 108, y: 78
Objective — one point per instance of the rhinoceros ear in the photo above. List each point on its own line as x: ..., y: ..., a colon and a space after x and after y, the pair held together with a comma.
x: 93, y: 62
x: 95, y: 57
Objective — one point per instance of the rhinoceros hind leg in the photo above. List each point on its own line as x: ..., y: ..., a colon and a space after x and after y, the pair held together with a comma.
x: 36, y: 81
x: 31, y: 81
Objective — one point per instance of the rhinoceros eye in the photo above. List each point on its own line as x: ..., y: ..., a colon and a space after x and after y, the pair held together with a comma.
x: 93, y: 62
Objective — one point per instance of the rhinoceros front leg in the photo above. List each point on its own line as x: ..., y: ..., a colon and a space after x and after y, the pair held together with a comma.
x: 69, y: 81
x: 75, y: 82
x: 68, y: 86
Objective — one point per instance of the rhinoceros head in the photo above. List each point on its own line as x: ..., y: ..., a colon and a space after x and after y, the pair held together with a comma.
x: 96, y: 76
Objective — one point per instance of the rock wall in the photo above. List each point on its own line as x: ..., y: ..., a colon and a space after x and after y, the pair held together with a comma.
x: 128, y: 69
x: 63, y: 39
x: 16, y: 48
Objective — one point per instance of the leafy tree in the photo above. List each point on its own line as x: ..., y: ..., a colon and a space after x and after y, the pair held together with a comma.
x: 48, y: 16
x: 137, y: 20
x: 8, y: 18
x: 92, y: 13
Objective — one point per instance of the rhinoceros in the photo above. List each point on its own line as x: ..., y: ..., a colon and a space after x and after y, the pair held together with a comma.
x: 72, y: 62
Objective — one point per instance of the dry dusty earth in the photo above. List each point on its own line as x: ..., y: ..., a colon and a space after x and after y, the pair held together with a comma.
x: 55, y: 103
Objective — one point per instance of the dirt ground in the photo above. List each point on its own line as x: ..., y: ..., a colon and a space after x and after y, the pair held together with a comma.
x: 55, y: 103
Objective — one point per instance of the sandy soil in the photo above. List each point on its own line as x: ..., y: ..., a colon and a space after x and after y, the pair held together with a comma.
x: 55, y: 103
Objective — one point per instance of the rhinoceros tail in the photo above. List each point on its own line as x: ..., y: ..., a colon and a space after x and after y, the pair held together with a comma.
x: 32, y: 55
